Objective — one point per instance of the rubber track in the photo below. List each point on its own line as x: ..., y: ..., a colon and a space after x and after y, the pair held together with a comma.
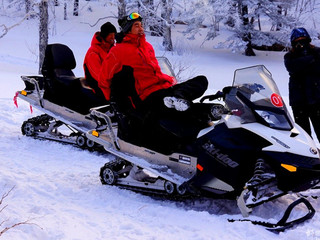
x: 149, y: 192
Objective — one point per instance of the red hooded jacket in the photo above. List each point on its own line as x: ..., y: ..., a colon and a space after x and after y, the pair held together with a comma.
x: 94, y: 57
x: 136, y: 52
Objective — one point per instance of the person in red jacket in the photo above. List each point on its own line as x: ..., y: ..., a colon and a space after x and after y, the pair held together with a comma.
x: 101, y: 44
x: 153, y: 110
x: 154, y: 88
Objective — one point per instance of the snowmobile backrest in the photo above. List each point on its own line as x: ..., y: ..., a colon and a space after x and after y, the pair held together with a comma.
x: 58, y: 62
x: 124, y: 100
x: 60, y: 84
x: 123, y: 91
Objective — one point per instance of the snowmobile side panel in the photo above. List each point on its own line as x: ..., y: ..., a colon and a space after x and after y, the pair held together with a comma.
x: 305, y: 174
x: 284, y: 141
x: 80, y: 122
x: 177, y: 168
x: 228, y: 155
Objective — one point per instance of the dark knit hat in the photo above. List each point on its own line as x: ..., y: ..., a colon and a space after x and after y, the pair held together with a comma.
x: 299, y: 33
x: 106, y: 29
x: 126, y: 22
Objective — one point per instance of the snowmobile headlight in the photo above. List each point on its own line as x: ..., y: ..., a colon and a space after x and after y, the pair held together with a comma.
x: 290, y: 168
x: 24, y: 93
x: 274, y: 120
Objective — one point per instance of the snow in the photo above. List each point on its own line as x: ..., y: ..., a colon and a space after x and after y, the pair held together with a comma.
x: 56, y: 187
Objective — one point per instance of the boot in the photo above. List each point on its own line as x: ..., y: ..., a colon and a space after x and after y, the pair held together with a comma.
x: 177, y: 103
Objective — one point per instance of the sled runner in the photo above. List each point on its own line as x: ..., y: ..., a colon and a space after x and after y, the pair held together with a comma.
x: 255, y: 153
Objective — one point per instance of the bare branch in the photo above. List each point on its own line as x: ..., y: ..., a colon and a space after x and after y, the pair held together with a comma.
x: 92, y: 25
x: 6, y: 29
x: 27, y: 222
x: 15, y: 225
x: 3, y: 222
x: 2, y: 209
x: 6, y: 195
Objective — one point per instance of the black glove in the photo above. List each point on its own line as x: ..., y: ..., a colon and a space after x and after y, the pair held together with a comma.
x: 302, y: 48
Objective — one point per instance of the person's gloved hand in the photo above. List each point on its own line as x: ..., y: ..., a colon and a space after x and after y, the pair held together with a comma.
x: 302, y: 47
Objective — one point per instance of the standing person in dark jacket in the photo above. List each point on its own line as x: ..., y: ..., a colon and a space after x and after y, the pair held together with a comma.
x: 101, y: 44
x: 303, y: 65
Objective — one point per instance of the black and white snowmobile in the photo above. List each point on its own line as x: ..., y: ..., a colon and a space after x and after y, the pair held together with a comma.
x: 254, y: 153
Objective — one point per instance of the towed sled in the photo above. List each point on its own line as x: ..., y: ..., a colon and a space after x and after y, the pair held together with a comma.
x: 254, y: 153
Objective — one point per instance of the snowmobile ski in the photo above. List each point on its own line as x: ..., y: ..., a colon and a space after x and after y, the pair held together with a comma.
x: 283, y: 224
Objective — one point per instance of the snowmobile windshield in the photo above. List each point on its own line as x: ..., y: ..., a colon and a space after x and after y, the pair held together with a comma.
x: 255, y: 97
x: 166, y: 66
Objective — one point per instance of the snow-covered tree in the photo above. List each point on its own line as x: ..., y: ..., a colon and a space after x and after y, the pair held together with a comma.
x: 14, y: 10
x: 157, y: 17
x: 253, y: 24
x: 205, y: 14
x: 122, y: 5
x: 76, y: 8
x: 43, y: 30
x: 262, y: 24
x: 306, y: 11
x: 146, y: 8
x: 28, y: 6
x: 277, y: 23
x: 167, y: 22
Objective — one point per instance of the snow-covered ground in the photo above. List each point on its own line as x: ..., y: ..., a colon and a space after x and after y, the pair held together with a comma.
x: 56, y: 187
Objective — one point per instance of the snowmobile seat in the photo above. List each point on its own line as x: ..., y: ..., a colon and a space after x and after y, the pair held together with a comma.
x: 84, y: 83
x: 138, y: 127
x: 58, y: 63
x: 61, y: 85
x: 125, y: 103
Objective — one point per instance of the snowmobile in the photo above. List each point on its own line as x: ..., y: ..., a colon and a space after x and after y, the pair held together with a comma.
x: 255, y: 152
x: 252, y: 151
x: 65, y: 100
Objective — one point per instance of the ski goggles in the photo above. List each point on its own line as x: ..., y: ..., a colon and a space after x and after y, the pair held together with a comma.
x: 133, y: 16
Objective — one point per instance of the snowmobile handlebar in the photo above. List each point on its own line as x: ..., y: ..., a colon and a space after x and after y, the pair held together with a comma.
x: 218, y: 95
